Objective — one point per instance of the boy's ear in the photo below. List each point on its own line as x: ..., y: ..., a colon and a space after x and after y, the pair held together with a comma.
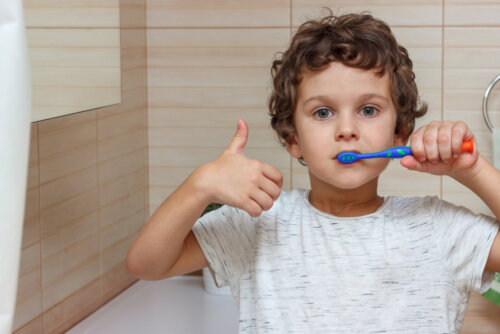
x: 399, y: 140
x: 399, y: 137
x: 293, y: 147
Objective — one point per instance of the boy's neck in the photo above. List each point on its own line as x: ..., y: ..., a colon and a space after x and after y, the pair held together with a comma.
x: 346, y: 203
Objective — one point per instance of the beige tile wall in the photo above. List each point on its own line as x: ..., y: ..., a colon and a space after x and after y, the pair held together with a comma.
x: 75, y: 55
x: 208, y: 64
x: 87, y: 197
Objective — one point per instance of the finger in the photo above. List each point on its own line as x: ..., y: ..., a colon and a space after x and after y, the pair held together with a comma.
x: 262, y: 199
x: 273, y: 174
x: 252, y: 207
x: 240, y: 138
x: 444, y: 139
x: 417, y: 145
x: 459, y: 133
x: 270, y: 188
x: 430, y: 142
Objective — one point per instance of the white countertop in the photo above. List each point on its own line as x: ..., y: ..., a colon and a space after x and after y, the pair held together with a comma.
x: 177, y: 305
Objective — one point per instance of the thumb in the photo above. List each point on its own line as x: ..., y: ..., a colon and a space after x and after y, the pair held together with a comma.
x: 411, y: 163
x: 240, y: 138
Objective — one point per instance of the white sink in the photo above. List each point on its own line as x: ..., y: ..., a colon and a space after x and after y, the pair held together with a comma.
x: 177, y: 305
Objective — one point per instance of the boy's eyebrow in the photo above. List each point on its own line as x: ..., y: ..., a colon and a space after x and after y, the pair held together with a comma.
x: 365, y: 96
x: 373, y: 95
x: 317, y: 97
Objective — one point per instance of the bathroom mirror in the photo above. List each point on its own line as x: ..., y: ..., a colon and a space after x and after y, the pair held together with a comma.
x: 74, y: 48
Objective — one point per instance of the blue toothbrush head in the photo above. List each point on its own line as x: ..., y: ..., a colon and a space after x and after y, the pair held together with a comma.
x: 394, y: 152
x: 347, y: 157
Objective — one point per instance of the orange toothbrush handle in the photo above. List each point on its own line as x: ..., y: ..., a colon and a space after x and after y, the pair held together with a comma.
x: 468, y: 146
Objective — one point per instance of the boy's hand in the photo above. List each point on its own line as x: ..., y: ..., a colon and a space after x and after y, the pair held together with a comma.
x: 436, y: 149
x: 238, y: 181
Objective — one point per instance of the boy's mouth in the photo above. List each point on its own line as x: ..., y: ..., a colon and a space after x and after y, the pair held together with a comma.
x: 355, y: 151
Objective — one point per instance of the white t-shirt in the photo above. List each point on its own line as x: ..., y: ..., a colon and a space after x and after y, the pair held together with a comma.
x: 406, y: 268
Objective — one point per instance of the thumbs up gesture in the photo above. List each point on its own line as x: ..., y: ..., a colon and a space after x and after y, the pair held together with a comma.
x: 238, y: 181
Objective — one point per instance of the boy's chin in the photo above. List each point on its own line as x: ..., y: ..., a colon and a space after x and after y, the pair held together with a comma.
x: 354, y: 181
x: 351, y: 179
x: 349, y: 184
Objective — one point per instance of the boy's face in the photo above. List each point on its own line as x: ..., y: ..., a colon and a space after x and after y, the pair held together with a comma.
x: 343, y: 109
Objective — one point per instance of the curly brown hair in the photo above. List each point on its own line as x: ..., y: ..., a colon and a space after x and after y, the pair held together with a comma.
x: 355, y: 40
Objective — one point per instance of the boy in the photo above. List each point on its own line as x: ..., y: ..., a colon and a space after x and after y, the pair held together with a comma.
x: 337, y: 258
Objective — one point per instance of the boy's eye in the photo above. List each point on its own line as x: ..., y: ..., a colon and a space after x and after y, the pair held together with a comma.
x: 368, y: 111
x: 323, y: 113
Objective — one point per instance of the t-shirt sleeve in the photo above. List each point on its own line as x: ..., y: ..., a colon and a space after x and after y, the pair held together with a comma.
x: 226, y: 237
x: 464, y: 240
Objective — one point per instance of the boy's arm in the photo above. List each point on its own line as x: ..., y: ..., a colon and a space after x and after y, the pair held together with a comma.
x: 436, y: 150
x: 166, y: 237
x: 166, y: 246
x: 484, y: 181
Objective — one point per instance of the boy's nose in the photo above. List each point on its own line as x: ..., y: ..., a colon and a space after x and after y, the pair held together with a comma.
x: 346, y: 130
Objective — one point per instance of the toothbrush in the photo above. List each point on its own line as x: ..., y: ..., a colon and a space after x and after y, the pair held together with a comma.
x: 394, y: 152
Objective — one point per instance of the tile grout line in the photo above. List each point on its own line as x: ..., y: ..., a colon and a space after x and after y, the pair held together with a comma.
x: 146, y: 132
x: 40, y: 229
x: 470, y: 25
x: 290, y: 187
x: 99, y: 204
x: 442, y: 82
